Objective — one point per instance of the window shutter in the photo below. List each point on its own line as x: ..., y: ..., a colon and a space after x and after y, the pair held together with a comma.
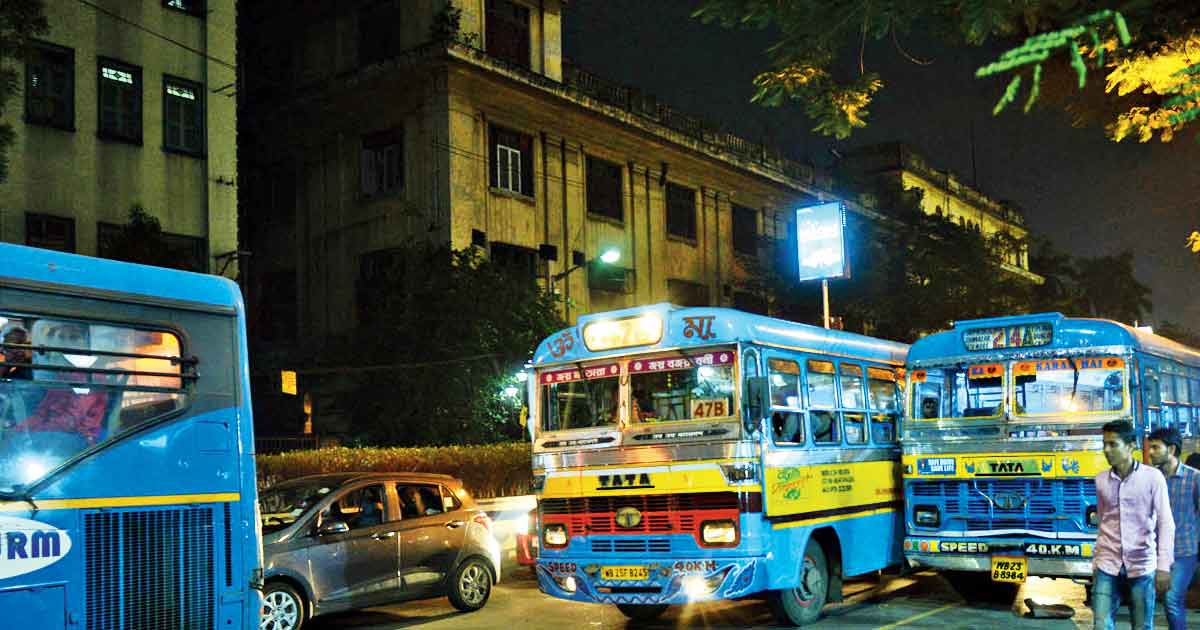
x: 368, y: 172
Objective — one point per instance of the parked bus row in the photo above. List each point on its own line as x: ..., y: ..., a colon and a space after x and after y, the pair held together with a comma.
x: 689, y: 454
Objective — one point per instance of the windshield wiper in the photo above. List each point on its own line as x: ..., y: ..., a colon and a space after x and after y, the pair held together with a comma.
x: 24, y: 496
x: 1075, y: 378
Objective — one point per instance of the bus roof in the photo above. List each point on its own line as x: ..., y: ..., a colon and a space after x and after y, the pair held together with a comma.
x: 86, y: 274
x: 1069, y: 333
x: 707, y: 326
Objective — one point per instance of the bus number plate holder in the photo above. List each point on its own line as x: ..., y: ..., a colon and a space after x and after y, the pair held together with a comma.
x: 1009, y: 569
x: 625, y: 573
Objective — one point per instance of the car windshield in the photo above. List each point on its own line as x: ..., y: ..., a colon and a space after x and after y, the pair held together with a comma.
x: 280, y: 507
x: 580, y: 398
x: 1069, y: 386
x: 962, y: 391
x: 690, y: 387
x: 66, y: 386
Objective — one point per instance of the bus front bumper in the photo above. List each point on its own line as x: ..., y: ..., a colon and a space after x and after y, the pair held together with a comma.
x: 1038, y: 567
x: 651, y: 580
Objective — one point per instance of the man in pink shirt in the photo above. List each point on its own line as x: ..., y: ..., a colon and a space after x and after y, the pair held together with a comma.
x: 1136, y: 542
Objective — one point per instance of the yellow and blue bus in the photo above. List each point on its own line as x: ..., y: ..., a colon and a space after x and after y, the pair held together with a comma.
x: 1003, y: 440
x: 127, y: 486
x: 688, y: 454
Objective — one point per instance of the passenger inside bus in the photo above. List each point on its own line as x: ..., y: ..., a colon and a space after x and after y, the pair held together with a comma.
x: 929, y: 407
x: 16, y: 334
x: 824, y: 426
x: 68, y: 410
x: 643, y: 406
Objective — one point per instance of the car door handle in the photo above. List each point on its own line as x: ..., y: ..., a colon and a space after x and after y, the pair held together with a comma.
x: 454, y: 524
x: 382, y: 535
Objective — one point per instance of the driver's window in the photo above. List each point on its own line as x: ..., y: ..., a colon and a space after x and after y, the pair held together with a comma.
x: 358, y: 509
x: 417, y: 500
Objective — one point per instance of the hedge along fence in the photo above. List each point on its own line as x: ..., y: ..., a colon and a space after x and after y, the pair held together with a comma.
x: 489, y: 470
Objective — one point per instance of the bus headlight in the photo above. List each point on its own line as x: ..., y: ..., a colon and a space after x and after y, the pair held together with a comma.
x: 718, y: 533
x: 555, y: 535
x: 927, y: 515
x: 1093, y: 516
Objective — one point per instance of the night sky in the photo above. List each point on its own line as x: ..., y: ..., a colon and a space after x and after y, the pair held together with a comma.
x: 1089, y: 195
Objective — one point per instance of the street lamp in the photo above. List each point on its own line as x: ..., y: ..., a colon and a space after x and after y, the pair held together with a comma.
x: 608, y: 257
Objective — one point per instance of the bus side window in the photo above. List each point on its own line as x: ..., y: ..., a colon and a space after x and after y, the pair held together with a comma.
x: 1150, y: 388
x: 784, y: 381
x: 822, y: 402
x: 884, y: 395
x: 853, y: 397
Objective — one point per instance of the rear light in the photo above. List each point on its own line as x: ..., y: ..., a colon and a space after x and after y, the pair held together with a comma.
x: 485, y: 520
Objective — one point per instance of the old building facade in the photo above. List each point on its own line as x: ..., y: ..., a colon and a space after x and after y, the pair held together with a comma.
x: 124, y: 103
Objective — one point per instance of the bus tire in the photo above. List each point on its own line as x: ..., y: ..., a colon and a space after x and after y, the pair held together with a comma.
x: 977, y: 587
x: 802, y: 605
x: 283, y: 608
x: 642, y: 612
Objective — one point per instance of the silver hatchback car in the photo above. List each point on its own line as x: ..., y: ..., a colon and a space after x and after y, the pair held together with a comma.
x: 343, y: 541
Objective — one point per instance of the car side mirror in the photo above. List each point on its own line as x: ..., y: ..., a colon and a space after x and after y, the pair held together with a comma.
x: 333, y: 527
x: 754, y: 402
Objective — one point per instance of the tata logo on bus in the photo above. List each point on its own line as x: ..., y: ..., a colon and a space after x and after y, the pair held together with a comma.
x: 624, y: 482
x: 1019, y: 336
x: 26, y: 546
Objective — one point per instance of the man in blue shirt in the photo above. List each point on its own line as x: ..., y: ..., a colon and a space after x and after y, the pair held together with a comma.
x: 1164, y: 446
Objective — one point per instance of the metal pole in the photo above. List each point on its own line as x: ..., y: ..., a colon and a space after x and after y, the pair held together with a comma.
x: 825, y: 300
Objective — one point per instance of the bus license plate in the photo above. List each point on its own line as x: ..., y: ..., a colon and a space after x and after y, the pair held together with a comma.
x: 624, y: 573
x: 1009, y: 569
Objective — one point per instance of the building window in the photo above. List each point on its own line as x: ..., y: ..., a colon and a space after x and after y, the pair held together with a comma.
x: 50, y: 232
x: 189, y: 253
x: 183, y: 116
x: 507, y: 32
x: 194, y: 7
x: 745, y: 230
x: 379, y: 26
x: 50, y: 86
x: 681, y: 211
x: 512, y: 156
x: 276, y: 311
x: 120, y: 101
x: 686, y: 293
x: 517, y: 261
x: 383, y: 162
x: 604, y: 189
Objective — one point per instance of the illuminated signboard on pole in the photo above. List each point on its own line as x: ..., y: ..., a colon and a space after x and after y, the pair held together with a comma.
x: 821, y: 246
x: 820, y: 242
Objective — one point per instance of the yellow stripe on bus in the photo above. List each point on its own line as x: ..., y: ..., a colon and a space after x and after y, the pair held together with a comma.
x: 831, y: 519
x: 106, y: 502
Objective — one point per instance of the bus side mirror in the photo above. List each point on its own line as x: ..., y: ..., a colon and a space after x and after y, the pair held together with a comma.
x: 754, y: 402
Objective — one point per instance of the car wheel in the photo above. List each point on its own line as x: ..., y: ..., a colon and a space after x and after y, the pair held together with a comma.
x: 642, y: 612
x: 283, y: 608
x: 802, y: 605
x: 471, y: 585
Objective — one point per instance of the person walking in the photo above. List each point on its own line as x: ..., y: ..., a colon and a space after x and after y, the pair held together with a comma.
x: 1135, y: 546
x: 1164, y: 447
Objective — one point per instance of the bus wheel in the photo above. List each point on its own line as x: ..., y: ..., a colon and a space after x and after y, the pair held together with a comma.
x: 642, y: 612
x: 802, y: 605
x: 977, y: 587
x: 283, y: 608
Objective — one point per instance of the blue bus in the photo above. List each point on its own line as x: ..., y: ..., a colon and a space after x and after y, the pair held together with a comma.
x: 689, y: 454
x: 127, y: 483
x: 1004, y: 440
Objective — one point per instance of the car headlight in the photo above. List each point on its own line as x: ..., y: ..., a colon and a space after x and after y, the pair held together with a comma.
x: 927, y: 515
x: 718, y: 533
x: 555, y: 535
x: 1093, y: 516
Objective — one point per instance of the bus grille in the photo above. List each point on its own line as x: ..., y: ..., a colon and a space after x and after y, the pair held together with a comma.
x: 660, y: 514
x: 150, y: 569
x: 631, y: 545
x: 1045, y: 505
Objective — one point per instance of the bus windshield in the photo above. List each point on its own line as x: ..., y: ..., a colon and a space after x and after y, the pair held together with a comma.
x: 1069, y: 386
x: 580, y: 398
x: 66, y: 386
x: 962, y: 391
x: 690, y: 387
